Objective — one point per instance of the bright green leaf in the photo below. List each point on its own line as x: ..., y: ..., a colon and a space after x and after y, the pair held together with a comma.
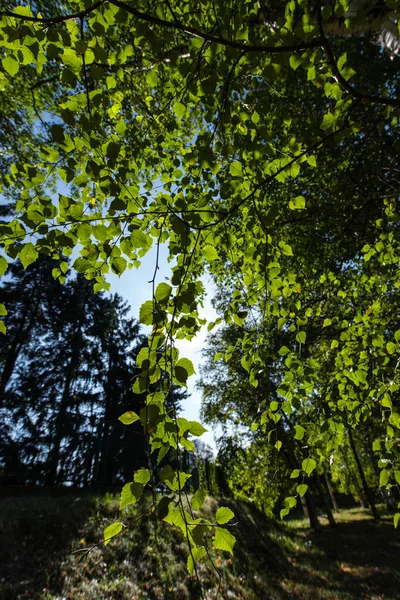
x: 223, y: 515
x: 111, y: 531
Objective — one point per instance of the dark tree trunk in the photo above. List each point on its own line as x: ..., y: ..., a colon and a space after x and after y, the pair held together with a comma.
x: 312, y: 512
x: 290, y: 455
x: 307, y: 503
x: 54, y: 454
x: 325, y: 498
x: 367, y: 491
x: 20, y: 338
x: 331, y: 492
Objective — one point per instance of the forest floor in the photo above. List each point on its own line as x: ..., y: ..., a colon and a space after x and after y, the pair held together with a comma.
x: 358, y: 559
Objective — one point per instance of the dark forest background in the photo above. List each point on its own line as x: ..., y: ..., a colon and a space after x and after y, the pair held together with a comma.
x: 67, y: 365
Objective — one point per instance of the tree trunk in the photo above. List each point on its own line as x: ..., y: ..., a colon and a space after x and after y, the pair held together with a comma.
x: 304, y: 507
x: 307, y: 501
x: 20, y: 338
x: 325, y: 498
x: 367, y: 491
x: 312, y: 512
x: 290, y: 455
x: 54, y: 454
x: 331, y: 492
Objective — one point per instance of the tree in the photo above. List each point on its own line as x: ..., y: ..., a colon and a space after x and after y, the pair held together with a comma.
x: 241, y: 135
x: 67, y: 365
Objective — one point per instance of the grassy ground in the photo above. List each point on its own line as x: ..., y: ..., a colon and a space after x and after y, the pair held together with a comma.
x: 359, y: 559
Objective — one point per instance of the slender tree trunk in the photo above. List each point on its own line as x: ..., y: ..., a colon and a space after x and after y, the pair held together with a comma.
x: 104, y: 460
x: 307, y: 503
x: 312, y: 512
x: 54, y: 454
x: 292, y: 461
x: 325, y: 498
x: 354, y: 480
x: 20, y: 338
x: 363, y: 502
x: 96, y: 466
x: 304, y: 507
x: 331, y: 492
x: 208, y: 478
x: 367, y: 491
x: 387, y: 495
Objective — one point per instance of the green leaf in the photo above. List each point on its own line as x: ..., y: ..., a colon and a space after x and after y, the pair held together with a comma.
x: 290, y: 502
x: 3, y: 310
x: 223, y: 540
x: 198, y: 498
x: 118, y: 265
x: 131, y: 492
x: 28, y: 255
x: 128, y: 417
x: 295, y: 474
x: 196, y: 428
x: 142, y: 476
x: 376, y: 446
x: 341, y: 61
x: 146, y: 313
x: 113, y: 149
x: 179, y: 109
x: 286, y: 249
x: 284, y: 350
x: 301, y: 337
x: 175, y: 480
x: 163, y: 291
x: 195, y: 555
x: 308, y: 465
x: 312, y: 161
x: 299, y: 203
x: 121, y: 126
x: 236, y: 169
x: 140, y: 240
x: 183, y: 370
x: 301, y: 489
x: 295, y: 61
x: 111, y: 531
x: 384, y: 477
x: 10, y: 65
x: 300, y: 431
x: 396, y: 520
x: 72, y: 60
x: 210, y: 252
x: 3, y: 265
x: 223, y: 515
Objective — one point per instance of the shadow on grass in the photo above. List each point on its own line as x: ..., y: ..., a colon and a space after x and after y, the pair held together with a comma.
x: 358, y: 559
x: 36, y: 535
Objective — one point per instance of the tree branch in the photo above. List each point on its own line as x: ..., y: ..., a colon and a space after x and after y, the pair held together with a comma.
x: 177, y: 25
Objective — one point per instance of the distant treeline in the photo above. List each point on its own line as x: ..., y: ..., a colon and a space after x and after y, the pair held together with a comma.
x: 67, y: 365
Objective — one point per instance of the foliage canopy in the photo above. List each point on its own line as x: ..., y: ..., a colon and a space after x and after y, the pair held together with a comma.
x: 260, y: 142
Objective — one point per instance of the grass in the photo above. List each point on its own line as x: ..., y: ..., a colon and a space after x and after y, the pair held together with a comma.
x: 358, y: 559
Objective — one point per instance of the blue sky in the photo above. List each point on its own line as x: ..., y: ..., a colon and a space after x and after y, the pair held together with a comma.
x: 135, y: 288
